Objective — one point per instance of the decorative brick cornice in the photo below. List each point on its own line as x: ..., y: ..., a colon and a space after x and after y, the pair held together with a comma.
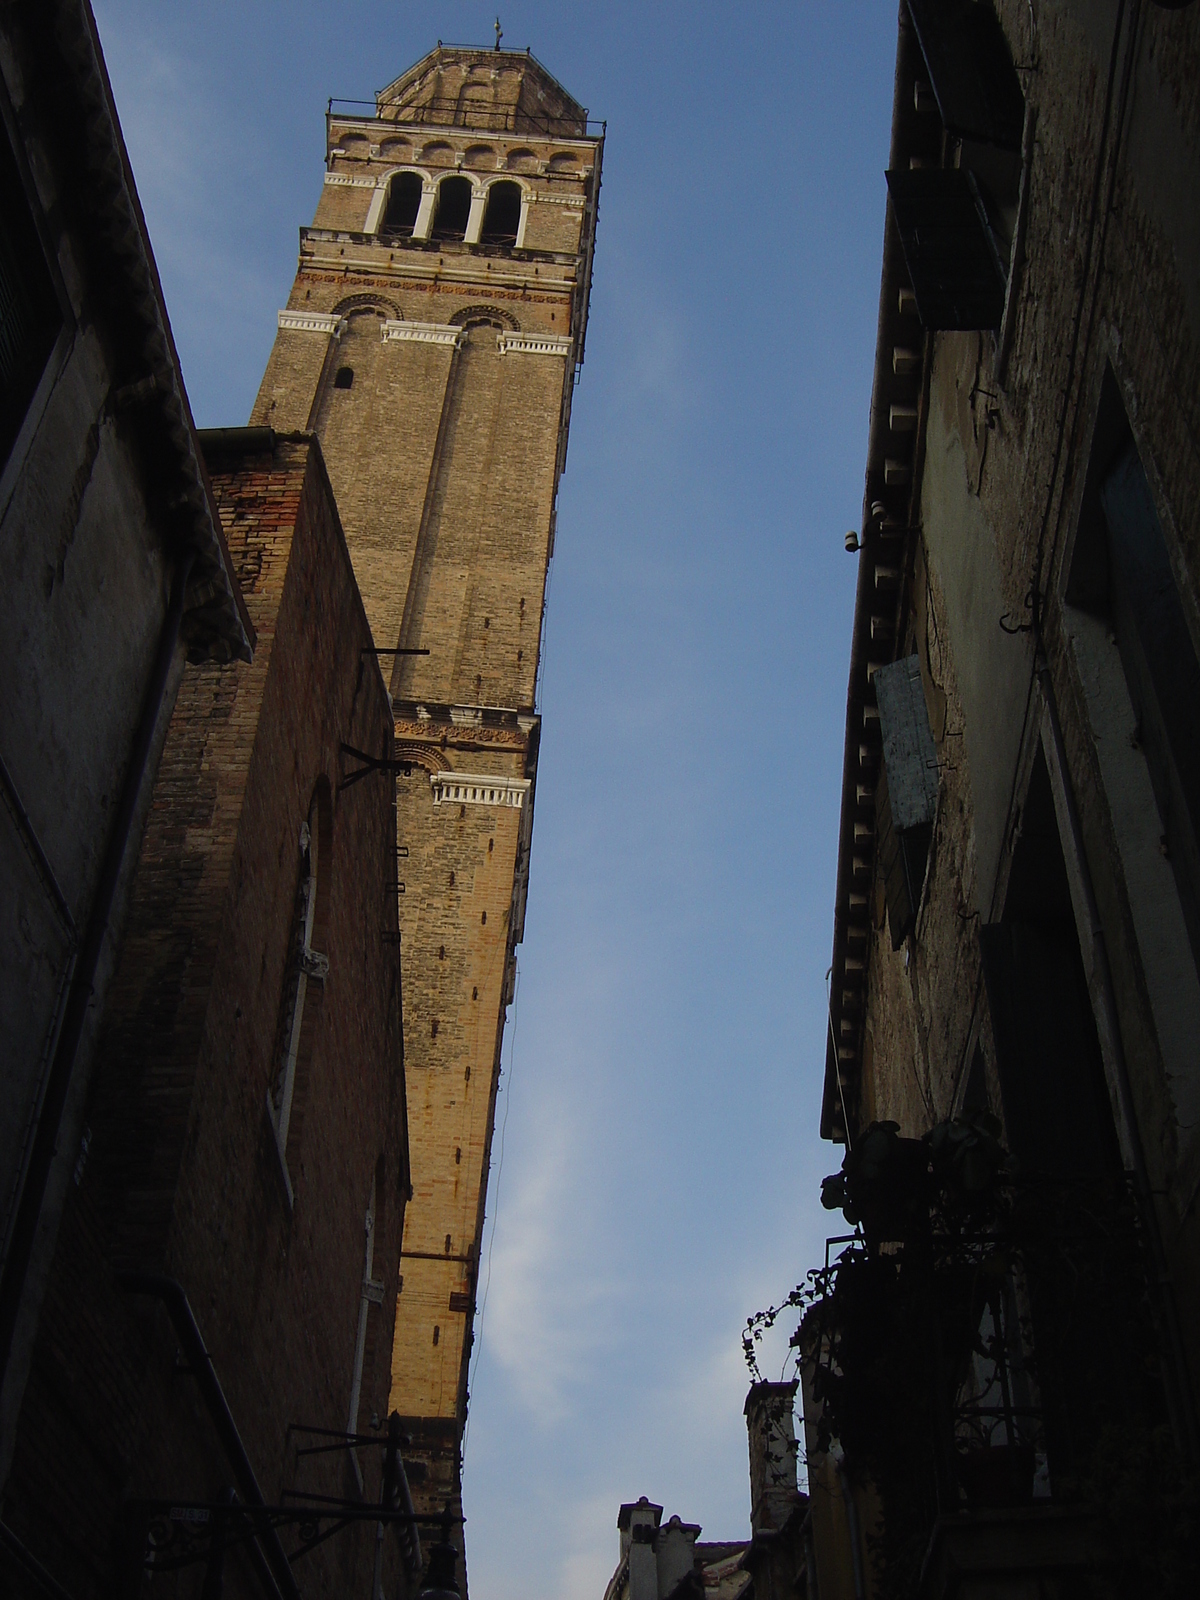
x: 423, y: 333
x: 311, y: 322
x: 344, y: 180
x: 534, y: 344
x: 455, y: 737
x: 478, y: 789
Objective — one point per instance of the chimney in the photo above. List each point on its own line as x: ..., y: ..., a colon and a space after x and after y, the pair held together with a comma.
x: 676, y: 1554
x: 639, y: 1529
x: 772, y: 1434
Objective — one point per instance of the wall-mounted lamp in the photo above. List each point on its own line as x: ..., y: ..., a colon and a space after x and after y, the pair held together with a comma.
x: 852, y: 543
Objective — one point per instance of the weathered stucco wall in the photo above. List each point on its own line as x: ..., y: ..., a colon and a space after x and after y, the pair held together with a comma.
x: 1108, y: 283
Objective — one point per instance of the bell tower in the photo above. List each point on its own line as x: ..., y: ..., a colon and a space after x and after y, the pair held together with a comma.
x: 431, y: 341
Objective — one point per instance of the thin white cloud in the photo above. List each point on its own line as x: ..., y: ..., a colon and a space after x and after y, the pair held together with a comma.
x: 592, y: 1547
x: 550, y: 1314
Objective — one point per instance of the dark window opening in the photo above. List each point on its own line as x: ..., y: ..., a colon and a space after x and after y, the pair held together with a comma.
x: 950, y: 247
x: 975, y: 1091
x: 983, y: 109
x: 1047, y: 1049
x: 403, y: 203
x: 1086, y: 1279
x: 905, y: 791
x: 1122, y: 573
x: 30, y: 317
x: 453, y: 208
x: 957, y: 222
x: 344, y: 378
x: 503, y: 215
x: 970, y: 70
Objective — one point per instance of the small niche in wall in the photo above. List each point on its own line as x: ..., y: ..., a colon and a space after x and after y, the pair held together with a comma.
x: 344, y: 378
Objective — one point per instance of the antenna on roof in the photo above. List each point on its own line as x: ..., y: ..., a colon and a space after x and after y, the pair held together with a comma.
x: 499, y: 33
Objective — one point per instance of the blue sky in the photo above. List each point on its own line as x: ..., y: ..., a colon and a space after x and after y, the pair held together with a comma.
x: 662, y: 1070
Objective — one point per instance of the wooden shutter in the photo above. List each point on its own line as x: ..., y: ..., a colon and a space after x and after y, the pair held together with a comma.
x: 902, y: 857
x: 970, y: 70
x: 952, y: 258
x: 906, y: 791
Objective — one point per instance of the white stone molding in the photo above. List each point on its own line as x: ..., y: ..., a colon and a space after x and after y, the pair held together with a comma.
x: 423, y: 226
x: 478, y: 789
x: 576, y: 200
x: 343, y: 180
x: 312, y: 322
x: 423, y: 333
x: 375, y: 209
x: 475, y: 217
x: 534, y: 344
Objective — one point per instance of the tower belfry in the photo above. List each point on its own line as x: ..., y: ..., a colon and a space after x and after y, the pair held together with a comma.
x: 431, y: 341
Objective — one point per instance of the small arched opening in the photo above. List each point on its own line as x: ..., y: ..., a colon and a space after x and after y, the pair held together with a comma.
x: 502, y: 218
x: 453, y: 208
x: 403, y: 203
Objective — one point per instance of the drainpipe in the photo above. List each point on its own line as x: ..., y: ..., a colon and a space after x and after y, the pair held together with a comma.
x: 1177, y: 1385
x: 811, y: 1591
x: 79, y: 995
x: 34, y: 1572
x: 271, y: 1564
x: 856, y: 1554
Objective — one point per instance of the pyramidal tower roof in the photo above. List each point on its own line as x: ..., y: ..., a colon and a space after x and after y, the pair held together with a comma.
x: 496, y: 91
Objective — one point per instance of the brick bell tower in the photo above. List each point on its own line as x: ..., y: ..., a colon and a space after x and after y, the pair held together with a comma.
x: 431, y: 341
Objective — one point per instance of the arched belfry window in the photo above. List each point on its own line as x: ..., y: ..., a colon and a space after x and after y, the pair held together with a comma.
x: 502, y: 219
x: 453, y: 208
x: 304, y: 976
x: 403, y: 203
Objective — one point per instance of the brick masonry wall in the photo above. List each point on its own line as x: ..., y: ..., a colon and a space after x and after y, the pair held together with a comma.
x: 553, y: 225
x: 458, y: 920
x: 182, y: 1174
x: 475, y: 595
x: 344, y: 205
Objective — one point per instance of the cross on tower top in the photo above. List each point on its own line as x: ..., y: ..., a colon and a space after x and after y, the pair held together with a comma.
x: 499, y: 33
